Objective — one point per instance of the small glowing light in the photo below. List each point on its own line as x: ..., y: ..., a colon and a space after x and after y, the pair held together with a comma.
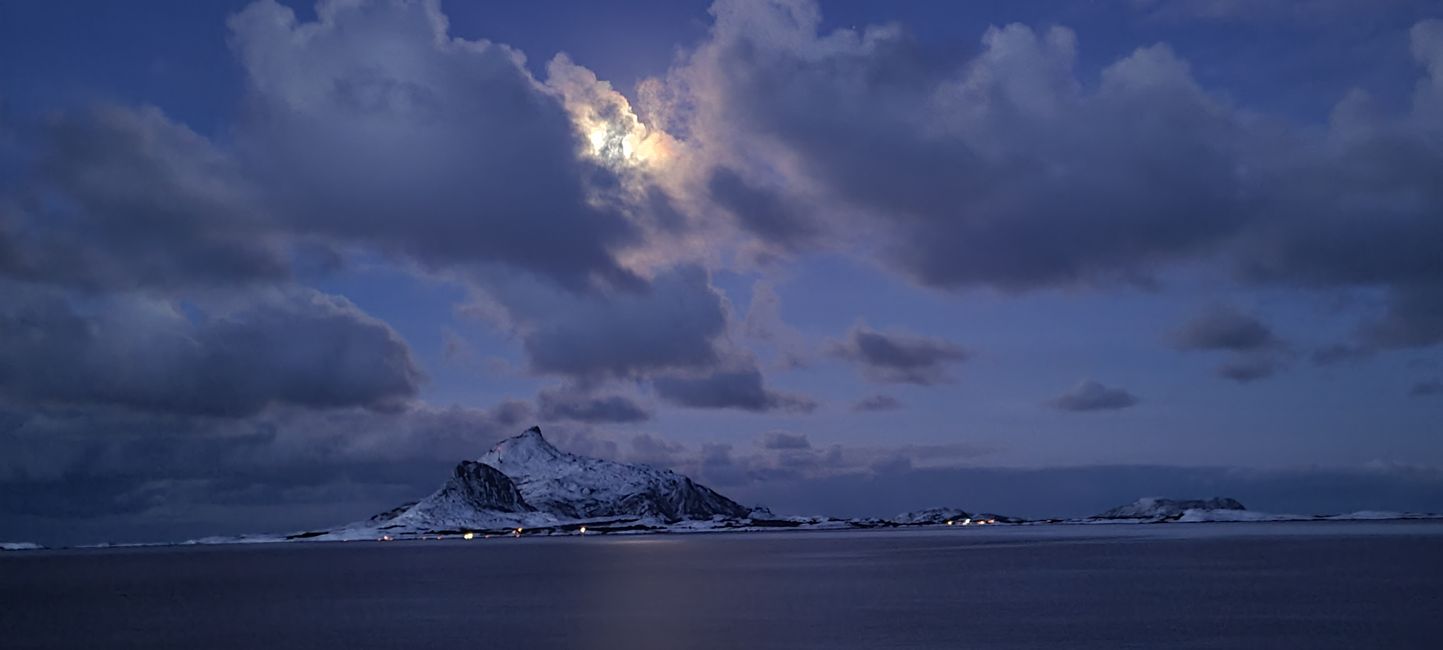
x: 385, y: 538
x: 597, y: 136
x: 949, y: 522
x: 583, y: 530
x: 967, y: 521
x: 469, y: 536
x: 517, y: 533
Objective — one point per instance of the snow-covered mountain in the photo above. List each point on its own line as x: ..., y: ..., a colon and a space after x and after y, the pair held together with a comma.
x: 477, y: 496
x: 932, y: 516
x: 1156, y: 509
x: 570, y: 486
x: 526, y: 482
x: 20, y: 546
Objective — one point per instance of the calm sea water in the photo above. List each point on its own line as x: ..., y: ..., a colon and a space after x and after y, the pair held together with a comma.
x: 1316, y: 585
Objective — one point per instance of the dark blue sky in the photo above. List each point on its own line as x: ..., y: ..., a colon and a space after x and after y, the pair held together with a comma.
x: 267, y: 264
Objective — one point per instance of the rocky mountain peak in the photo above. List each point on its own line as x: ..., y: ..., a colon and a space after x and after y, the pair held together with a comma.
x: 527, y: 448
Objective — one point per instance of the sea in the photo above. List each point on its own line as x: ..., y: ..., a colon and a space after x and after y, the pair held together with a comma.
x: 1217, y: 585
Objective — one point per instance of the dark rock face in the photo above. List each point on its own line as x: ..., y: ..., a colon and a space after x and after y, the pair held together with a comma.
x: 483, y: 487
x: 674, y: 497
x: 1168, y: 508
x: 391, y: 514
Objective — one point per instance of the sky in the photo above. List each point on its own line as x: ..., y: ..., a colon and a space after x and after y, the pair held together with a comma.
x: 274, y: 265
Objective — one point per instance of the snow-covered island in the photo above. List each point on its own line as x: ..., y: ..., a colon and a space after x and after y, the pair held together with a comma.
x: 526, y: 486
x: 20, y: 546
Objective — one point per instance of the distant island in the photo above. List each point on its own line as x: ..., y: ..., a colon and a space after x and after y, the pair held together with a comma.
x: 526, y: 486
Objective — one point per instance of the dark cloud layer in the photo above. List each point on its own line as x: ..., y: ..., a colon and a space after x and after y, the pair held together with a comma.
x: 565, y: 405
x: 1090, y: 395
x: 121, y: 198
x: 83, y: 476
x: 299, y: 348
x: 738, y: 389
x: 765, y: 213
x: 673, y: 323
x: 899, y: 358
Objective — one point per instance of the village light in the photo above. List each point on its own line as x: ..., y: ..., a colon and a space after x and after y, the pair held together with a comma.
x: 469, y: 536
x: 583, y: 530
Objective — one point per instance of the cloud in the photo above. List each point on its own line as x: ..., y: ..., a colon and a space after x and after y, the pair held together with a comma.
x: 1223, y: 327
x: 896, y: 358
x: 92, y: 475
x: 125, y: 198
x: 372, y: 124
x: 1089, y: 395
x: 1256, y: 352
x: 571, y: 405
x: 1427, y: 388
x: 655, y: 451
x: 297, y: 347
x: 739, y: 389
x: 790, y: 456
x: 764, y: 212
x: 673, y: 323
x: 1248, y: 368
x: 1414, y: 319
x: 1000, y: 171
x: 877, y: 403
x: 785, y: 440
x: 1011, y: 170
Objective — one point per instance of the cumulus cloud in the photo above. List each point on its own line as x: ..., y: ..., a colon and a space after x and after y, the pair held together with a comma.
x: 434, y: 147
x: 898, y: 358
x: 299, y: 347
x: 1010, y: 170
x: 675, y: 322
x: 1002, y: 170
x: 125, y: 198
x: 1089, y: 395
x: 765, y: 212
